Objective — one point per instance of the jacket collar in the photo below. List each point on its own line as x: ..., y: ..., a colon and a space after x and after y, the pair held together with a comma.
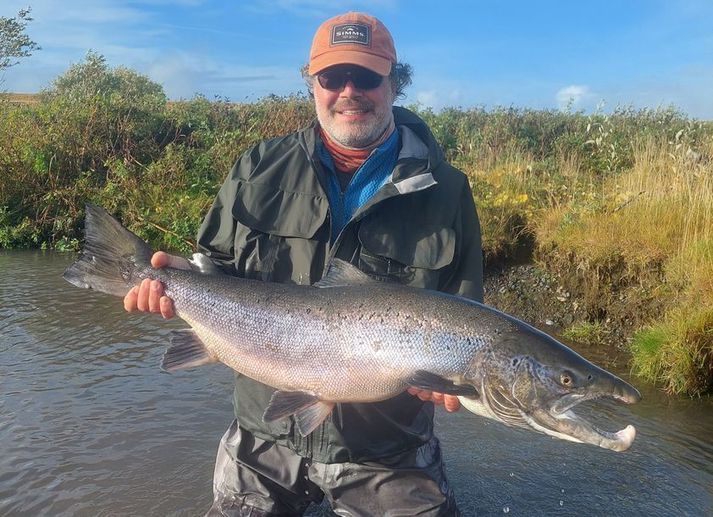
x: 419, y: 155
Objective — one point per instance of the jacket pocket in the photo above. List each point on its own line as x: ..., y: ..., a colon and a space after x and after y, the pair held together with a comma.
x: 278, y: 232
x: 405, y: 250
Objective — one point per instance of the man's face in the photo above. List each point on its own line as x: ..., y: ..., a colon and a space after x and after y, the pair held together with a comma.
x: 351, y: 116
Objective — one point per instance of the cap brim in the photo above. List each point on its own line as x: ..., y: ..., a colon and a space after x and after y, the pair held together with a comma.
x: 350, y: 57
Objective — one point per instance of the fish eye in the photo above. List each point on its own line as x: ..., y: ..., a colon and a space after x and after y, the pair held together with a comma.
x: 566, y: 379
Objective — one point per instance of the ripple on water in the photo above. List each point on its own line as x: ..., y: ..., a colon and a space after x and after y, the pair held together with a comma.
x: 89, y: 425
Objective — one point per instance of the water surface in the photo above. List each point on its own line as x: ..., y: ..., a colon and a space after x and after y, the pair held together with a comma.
x: 89, y: 425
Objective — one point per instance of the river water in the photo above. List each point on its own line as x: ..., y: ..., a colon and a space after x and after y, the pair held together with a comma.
x: 89, y: 425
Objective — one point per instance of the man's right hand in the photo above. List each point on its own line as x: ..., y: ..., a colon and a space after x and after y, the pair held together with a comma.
x: 149, y: 297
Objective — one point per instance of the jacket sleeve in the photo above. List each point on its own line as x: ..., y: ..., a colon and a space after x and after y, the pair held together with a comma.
x: 216, y: 236
x: 466, y: 278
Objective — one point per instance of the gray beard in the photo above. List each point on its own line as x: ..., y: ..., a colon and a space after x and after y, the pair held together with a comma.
x: 358, y: 136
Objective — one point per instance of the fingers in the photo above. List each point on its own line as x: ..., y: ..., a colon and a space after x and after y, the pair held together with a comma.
x: 155, y: 294
x: 162, y: 259
x: 130, y: 300
x: 424, y: 395
x: 142, y: 302
x: 149, y: 297
x: 166, y: 307
x: 450, y: 402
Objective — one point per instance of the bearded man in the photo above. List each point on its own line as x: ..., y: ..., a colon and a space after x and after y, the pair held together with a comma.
x: 366, y: 183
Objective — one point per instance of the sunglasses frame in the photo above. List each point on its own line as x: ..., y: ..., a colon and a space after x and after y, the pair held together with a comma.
x: 362, y: 78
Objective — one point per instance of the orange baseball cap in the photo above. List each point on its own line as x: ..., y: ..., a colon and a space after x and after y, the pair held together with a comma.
x: 352, y: 38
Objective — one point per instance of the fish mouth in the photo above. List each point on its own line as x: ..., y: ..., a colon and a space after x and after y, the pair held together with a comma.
x: 561, y: 421
x: 558, y: 419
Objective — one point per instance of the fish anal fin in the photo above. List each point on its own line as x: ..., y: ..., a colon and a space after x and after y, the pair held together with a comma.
x: 341, y: 273
x: 308, y: 410
x: 309, y: 418
x: 434, y: 382
x: 186, y: 351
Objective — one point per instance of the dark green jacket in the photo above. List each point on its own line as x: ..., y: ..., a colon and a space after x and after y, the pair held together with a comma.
x: 271, y: 221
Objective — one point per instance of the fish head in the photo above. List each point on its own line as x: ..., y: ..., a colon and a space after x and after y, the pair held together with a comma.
x: 529, y: 379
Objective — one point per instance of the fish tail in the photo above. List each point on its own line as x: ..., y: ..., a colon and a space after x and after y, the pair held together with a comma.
x: 111, y: 257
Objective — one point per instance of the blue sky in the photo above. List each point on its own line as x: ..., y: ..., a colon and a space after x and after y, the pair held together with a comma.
x: 535, y: 53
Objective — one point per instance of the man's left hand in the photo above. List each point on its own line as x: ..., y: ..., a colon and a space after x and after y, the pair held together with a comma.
x: 450, y: 402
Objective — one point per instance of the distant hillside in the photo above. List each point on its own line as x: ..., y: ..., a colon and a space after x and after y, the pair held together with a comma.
x: 20, y: 98
x: 34, y: 98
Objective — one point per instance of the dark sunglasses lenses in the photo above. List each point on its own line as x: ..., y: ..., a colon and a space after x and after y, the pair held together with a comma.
x: 361, y: 78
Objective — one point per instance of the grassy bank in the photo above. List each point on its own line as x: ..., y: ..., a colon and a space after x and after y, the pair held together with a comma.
x: 617, y: 206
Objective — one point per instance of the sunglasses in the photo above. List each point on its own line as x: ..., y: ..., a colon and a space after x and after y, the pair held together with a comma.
x: 336, y: 78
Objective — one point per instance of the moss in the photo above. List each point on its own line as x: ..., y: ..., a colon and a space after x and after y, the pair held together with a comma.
x: 590, y: 333
x: 678, y: 352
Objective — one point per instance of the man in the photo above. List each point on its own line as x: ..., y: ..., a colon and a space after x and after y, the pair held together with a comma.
x: 366, y: 183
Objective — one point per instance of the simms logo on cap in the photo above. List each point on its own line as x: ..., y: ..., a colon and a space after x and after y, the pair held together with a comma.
x: 355, y: 39
x: 351, y: 33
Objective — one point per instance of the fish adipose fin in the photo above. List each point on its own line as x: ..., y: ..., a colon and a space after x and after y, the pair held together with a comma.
x: 309, y: 411
x: 186, y: 351
x: 111, y: 253
x: 430, y: 381
x: 341, y: 273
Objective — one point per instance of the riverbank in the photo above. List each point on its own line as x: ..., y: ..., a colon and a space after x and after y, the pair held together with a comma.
x: 539, y: 297
x: 617, y: 207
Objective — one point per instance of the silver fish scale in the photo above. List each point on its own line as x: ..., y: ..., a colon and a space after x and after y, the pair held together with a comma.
x: 365, y: 341
x: 357, y: 343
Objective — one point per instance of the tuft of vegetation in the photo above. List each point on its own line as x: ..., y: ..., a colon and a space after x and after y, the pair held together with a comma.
x: 641, y: 255
x: 14, y: 42
x: 109, y: 136
x: 587, y: 332
x: 618, y: 206
x: 677, y: 352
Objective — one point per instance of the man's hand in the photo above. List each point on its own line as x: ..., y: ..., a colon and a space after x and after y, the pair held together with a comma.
x: 450, y: 402
x: 149, y: 297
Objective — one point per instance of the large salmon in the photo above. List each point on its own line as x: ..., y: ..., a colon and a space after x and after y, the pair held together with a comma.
x: 350, y: 338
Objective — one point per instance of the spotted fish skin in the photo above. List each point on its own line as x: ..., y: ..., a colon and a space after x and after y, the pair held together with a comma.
x: 349, y: 338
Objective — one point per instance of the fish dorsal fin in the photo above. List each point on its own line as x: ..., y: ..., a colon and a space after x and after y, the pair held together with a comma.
x: 341, y: 273
x: 433, y: 382
x: 186, y: 351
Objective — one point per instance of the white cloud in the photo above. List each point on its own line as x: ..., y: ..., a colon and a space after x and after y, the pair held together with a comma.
x: 573, y: 96
x: 427, y: 98
x: 184, y: 74
x: 685, y: 88
x: 437, y: 96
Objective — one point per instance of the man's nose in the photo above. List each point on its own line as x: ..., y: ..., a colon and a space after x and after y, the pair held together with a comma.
x: 349, y: 90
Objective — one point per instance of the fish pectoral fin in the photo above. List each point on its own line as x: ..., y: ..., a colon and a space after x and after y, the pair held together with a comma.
x: 309, y: 418
x: 186, y: 351
x: 430, y: 381
x: 309, y: 411
x: 341, y: 273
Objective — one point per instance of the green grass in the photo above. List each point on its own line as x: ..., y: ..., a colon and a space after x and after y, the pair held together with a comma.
x: 587, y: 332
x: 678, y: 352
x: 618, y: 206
